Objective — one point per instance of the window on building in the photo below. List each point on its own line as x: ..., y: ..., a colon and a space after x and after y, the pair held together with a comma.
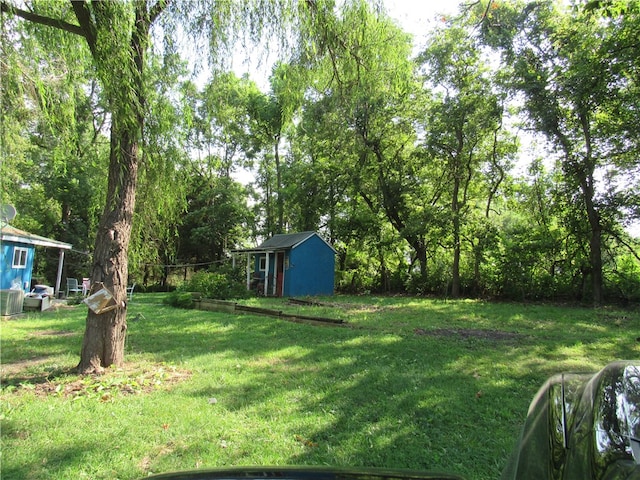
x: 263, y: 264
x: 20, y: 257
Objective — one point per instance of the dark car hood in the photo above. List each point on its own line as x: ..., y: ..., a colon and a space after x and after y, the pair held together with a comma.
x: 303, y: 473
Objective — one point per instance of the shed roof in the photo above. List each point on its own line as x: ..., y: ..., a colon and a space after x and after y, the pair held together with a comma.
x: 12, y: 234
x: 285, y: 241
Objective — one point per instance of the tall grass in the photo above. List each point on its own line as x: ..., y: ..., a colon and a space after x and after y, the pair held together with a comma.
x: 407, y: 383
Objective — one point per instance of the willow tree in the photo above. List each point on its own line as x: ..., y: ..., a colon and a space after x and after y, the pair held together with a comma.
x: 52, y: 149
x: 118, y: 36
x: 368, y: 77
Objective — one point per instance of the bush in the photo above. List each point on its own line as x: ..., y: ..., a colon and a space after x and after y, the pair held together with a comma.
x: 622, y: 283
x: 179, y: 299
x: 223, y: 284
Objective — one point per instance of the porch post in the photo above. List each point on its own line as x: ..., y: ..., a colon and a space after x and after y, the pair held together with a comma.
x: 59, y: 276
x: 284, y: 275
x: 266, y: 275
x: 248, y: 270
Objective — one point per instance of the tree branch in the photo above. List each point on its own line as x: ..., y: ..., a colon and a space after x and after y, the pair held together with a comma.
x: 629, y: 247
x: 5, y: 7
x: 157, y: 9
x: 87, y: 26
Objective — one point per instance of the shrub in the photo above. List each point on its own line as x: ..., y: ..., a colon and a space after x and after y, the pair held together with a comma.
x: 179, y: 299
x: 223, y: 284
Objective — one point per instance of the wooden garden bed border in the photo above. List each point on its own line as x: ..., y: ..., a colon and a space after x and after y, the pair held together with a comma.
x: 213, y: 305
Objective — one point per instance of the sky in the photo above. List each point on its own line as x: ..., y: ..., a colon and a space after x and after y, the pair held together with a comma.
x: 413, y: 16
x: 418, y: 16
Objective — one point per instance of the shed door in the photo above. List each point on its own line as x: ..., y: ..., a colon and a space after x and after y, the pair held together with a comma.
x: 279, y: 273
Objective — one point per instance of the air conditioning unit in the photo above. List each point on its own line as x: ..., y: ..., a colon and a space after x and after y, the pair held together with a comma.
x: 11, y: 302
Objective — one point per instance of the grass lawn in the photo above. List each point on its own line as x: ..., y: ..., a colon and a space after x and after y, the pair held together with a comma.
x: 405, y: 383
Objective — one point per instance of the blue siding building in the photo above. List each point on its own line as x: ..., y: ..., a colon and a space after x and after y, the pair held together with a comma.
x: 290, y: 265
x: 17, y: 254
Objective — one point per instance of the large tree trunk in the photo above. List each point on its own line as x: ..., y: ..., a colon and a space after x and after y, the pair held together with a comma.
x: 104, y: 336
x: 455, y: 268
x: 587, y: 185
x: 596, y: 265
x: 595, y: 240
x: 105, y: 333
x: 421, y: 255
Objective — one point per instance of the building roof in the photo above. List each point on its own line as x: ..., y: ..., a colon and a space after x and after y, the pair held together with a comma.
x: 15, y: 235
x: 285, y: 241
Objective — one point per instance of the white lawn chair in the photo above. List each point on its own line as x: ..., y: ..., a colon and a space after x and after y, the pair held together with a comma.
x: 130, y: 290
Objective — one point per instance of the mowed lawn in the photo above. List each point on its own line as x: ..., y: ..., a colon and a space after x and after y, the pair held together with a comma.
x: 410, y: 383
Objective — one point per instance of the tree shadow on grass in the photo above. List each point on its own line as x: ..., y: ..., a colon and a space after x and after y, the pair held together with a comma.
x: 39, y: 358
x: 70, y: 457
x: 389, y: 396
x: 411, y: 400
x: 392, y: 402
x: 34, y: 372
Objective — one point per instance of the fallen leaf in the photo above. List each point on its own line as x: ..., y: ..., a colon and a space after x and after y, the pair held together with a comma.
x: 304, y: 441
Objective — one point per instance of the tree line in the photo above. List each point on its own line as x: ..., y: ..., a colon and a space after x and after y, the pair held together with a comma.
x: 405, y: 161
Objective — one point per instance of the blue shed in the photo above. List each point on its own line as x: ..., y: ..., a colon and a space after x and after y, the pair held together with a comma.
x: 289, y: 265
x: 17, y: 254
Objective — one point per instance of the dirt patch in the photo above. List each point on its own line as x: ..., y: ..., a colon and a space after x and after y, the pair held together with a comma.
x: 8, y: 370
x: 131, y: 379
x: 469, y: 333
x: 53, y: 333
